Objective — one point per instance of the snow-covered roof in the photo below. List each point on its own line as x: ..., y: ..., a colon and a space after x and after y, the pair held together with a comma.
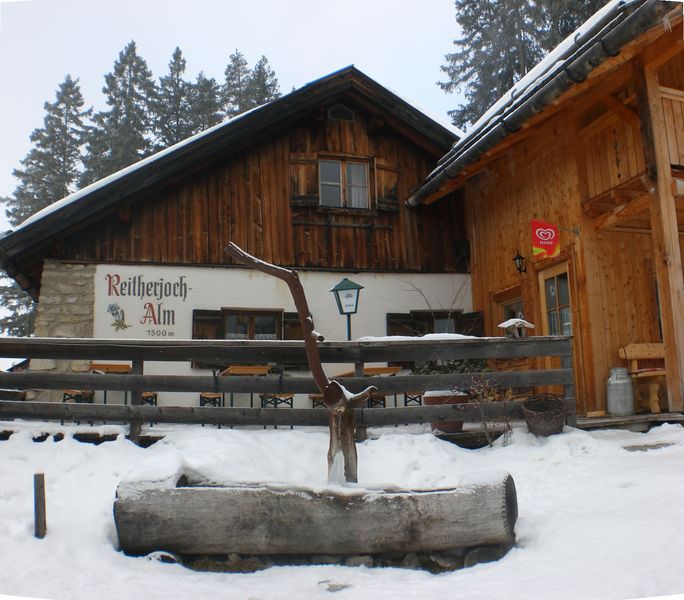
x: 600, y: 37
x: 188, y: 143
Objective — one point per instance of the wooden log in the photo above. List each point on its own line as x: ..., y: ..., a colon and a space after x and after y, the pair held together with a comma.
x: 256, y: 351
x: 136, y: 400
x: 276, y: 521
x: 39, y: 512
x: 276, y: 384
x: 373, y: 417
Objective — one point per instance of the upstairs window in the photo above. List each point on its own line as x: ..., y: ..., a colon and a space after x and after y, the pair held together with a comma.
x: 343, y: 184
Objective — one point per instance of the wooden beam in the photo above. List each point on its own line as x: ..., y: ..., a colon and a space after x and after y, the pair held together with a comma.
x: 272, y: 383
x: 368, y: 417
x: 257, y: 351
x: 623, y: 212
x: 664, y: 48
x: 667, y: 253
x: 626, y: 113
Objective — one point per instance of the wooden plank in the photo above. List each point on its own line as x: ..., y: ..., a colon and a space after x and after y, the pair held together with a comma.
x: 678, y: 130
x: 671, y: 133
x: 273, y: 384
x: 668, y: 260
x: 582, y: 264
x: 371, y: 417
x: 163, y: 414
x: 256, y: 352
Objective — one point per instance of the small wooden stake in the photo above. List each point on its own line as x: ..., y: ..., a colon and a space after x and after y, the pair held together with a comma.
x: 40, y: 517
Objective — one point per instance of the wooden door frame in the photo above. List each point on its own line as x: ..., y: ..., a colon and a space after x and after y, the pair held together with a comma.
x: 542, y: 275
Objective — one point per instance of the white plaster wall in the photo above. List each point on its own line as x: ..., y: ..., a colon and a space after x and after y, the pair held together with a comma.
x: 216, y: 288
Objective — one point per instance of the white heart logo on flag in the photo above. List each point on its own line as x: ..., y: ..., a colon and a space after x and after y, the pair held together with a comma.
x: 545, y: 235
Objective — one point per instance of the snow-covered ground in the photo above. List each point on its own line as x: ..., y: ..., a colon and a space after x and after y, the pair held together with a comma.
x: 598, y: 519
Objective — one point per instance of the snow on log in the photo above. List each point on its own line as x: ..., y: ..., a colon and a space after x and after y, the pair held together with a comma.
x: 272, y: 520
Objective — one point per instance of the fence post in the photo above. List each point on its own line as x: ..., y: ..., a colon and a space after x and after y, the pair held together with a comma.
x: 136, y: 424
x: 39, y: 513
x: 361, y: 432
x: 570, y: 397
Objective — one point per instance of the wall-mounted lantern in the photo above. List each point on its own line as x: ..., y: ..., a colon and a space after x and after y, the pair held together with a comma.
x: 519, y: 262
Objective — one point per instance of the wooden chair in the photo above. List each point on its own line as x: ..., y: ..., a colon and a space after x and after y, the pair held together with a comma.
x: 649, y: 377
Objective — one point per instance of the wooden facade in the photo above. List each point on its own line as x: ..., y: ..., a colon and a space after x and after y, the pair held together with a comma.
x: 255, y: 181
x: 267, y: 200
x: 604, y: 162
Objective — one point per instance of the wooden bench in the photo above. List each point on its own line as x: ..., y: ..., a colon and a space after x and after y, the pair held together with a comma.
x: 650, y: 377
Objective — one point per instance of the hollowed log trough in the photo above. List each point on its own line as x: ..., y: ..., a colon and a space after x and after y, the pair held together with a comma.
x: 275, y: 520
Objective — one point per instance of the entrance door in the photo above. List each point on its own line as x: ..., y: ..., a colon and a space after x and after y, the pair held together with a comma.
x: 555, y: 300
x: 554, y: 291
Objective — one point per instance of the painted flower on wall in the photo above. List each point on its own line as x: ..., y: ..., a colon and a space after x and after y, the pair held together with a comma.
x: 119, y: 317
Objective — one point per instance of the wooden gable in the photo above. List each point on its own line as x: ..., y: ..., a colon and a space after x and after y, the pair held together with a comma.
x: 262, y: 192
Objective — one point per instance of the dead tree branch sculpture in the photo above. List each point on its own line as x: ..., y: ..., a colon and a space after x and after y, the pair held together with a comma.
x: 339, y: 402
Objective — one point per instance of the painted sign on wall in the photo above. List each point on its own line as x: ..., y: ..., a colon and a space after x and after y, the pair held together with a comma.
x: 142, y: 302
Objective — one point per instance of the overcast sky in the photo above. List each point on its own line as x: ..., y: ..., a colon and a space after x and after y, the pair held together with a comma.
x: 400, y: 43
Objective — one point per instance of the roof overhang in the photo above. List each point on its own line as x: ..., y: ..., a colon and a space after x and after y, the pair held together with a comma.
x: 84, y: 207
x: 599, y: 39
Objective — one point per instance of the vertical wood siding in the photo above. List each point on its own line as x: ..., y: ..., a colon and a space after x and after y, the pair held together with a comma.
x: 611, y: 271
x: 266, y: 200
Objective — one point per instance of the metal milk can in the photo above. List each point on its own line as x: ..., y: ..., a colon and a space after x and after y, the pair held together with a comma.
x: 619, y: 393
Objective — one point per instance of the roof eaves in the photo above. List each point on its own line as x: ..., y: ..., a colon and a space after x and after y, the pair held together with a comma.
x: 603, y: 40
x: 115, y: 188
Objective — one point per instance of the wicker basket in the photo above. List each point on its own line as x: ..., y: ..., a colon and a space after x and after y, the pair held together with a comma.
x: 544, y: 414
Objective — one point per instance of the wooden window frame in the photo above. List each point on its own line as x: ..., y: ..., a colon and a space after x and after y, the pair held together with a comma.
x: 251, y: 314
x: 344, y: 186
x: 548, y: 273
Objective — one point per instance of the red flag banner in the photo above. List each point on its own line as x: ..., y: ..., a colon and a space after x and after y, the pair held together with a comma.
x: 545, y: 239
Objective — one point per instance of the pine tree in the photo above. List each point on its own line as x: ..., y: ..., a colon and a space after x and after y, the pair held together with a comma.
x: 50, y: 169
x: 122, y: 135
x: 500, y: 42
x: 172, y: 104
x: 263, y: 85
x: 237, y: 75
x: 205, y: 104
x: 20, y: 310
x: 557, y: 19
x: 496, y: 48
x: 48, y: 172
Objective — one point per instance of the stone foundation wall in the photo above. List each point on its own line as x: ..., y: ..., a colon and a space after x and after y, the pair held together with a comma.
x: 65, y: 309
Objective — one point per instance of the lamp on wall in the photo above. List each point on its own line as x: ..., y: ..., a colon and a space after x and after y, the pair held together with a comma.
x: 519, y: 261
x: 347, y: 298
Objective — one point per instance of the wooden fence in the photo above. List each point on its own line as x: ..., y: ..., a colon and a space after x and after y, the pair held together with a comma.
x: 278, y: 352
